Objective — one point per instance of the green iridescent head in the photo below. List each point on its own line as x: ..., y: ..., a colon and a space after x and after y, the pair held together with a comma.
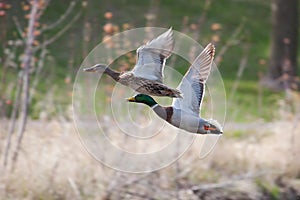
x: 143, y: 98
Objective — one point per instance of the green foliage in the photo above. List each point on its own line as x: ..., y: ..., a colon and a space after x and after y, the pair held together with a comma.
x: 271, y: 190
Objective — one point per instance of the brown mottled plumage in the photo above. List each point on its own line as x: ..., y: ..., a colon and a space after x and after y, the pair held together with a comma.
x: 146, y: 86
x: 147, y: 75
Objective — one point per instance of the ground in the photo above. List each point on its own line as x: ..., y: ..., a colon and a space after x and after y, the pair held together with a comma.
x: 261, y: 163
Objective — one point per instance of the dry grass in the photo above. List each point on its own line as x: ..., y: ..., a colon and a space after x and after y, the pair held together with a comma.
x: 54, y: 165
x: 269, y: 147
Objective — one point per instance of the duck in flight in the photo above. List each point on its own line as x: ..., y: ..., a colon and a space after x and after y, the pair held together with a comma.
x: 147, y: 75
x: 184, y: 112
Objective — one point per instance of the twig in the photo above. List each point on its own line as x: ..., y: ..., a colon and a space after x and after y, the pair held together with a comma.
x: 60, y: 33
x: 72, y: 56
x: 18, y: 26
x: 202, y: 18
x: 40, y: 66
x: 61, y: 18
x: 13, y: 120
x: 231, y: 42
x: 75, y: 188
x: 42, y: 9
x: 242, y: 66
x: 143, y: 196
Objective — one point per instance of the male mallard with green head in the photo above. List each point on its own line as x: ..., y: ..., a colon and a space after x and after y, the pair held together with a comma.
x: 147, y: 75
x: 184, y: 112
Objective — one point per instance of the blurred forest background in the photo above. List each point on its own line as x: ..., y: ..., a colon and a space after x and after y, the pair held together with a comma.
x: 43, y: 43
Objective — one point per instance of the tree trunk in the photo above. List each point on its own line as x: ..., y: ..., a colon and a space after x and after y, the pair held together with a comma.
x: 283, y: 59
x: 26, y: 63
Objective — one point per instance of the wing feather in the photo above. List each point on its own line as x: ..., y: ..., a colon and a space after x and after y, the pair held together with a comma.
x: 192, y: 85
x: 151, y: 58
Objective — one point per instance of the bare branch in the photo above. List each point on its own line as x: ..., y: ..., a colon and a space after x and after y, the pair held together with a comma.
x: 231, y: 42
x: 201, y: 20
x: 136, y: 194
x: 39, y: 68
x: 13, y: 120
x: 18, y: 26
x: 62, y: 17
x: 75, y: 188
x: 242, y: 66
x: 42, y: 10
x: 25, y: 79
x: 60, y: 33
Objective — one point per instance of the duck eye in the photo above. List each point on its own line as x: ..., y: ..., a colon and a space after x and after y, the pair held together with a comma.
x: 206, y: 127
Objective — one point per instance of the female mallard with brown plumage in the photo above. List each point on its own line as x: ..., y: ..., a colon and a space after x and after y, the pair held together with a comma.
x: 184, y: 112
x: 147, y: 75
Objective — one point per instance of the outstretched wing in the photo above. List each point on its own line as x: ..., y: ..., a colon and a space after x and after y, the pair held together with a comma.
x: 151, y: 57
x: 192, y: 85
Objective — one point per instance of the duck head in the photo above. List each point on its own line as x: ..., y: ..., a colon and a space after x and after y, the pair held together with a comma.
x: 210, y: 127
x: 143, y: 98
x: 96, y: 68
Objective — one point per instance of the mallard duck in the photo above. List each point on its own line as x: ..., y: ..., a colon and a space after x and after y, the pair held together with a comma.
x: 147, y: 75
x: 184, y: 112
